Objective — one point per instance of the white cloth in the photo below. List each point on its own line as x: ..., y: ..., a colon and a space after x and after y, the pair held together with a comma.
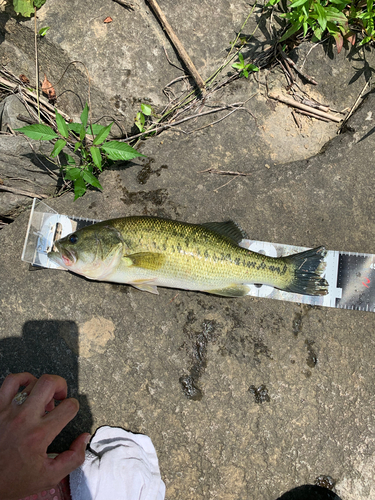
x: 119, y: 465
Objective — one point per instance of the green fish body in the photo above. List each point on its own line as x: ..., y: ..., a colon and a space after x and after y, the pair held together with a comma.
x: 147, y: 252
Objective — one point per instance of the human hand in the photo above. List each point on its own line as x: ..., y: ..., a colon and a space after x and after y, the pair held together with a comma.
x: 26, y: 430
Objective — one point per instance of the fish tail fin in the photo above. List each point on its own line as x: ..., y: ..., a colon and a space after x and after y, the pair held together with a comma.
x: 308, y: 267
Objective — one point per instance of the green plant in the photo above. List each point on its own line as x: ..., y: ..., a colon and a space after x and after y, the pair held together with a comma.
x: 43, y: 31
x: 90, y: 143
x: 244, y: 68
x: 140, y: 119
x: 337, y: 17
x: 26, y: 8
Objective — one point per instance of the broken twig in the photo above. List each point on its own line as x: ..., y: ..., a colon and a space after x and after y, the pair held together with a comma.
x: 295, y: 67
x: 176, y: 42
x: 224, y: 172
x: 295, y: 104
x: 22, y: 192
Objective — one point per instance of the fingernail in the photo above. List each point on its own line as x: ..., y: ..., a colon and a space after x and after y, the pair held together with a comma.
x: 87, y: 438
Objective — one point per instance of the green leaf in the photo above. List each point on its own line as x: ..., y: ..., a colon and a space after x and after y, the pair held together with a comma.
x: 79, y: 187
x: 245, y: 73
x: 77, y: 146
x: 43, y: 31
x: 91, y: 179
x: 252, y: 67
x: 39, y: 3
x: 240, y: 57
x: 39, y: 132
x: 69, y: 159
x: 61, y: 125
x: 59, y: 145
x: 82, y: 133
x: 72, y: 174
x: 298, y: 3
x: 365, y: 40
x: 96, y: 157
x: 96, y: 129
x: 85, y: 115
x: 103, y: 134
x: 146, y: 109
x: 237, y: 66
x: 24, y: 7
x: 322, y: 16
x: 140, y: 121
x: 120, y: 151
x: 75, y: 127
x: 290, y: 32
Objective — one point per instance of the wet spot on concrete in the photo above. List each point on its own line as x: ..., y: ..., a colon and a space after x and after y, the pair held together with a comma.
x: 312, y: 357
x: 145, y: 173
x: 325, y: 482
x: 157, y: 197
x: 297, y: 323
x: 190, y: 389
x: 260, y: 394
x: 298, y: 318
x: 197, y: 347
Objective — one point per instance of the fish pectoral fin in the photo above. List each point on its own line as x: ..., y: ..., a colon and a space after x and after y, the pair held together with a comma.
x: 230, y: 291
x: 146, y: 260
x: 145, y: 286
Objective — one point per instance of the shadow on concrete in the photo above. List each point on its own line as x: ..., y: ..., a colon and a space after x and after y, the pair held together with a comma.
x: 49, y: 346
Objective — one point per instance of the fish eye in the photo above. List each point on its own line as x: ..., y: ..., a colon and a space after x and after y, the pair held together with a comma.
x: 73, y: 239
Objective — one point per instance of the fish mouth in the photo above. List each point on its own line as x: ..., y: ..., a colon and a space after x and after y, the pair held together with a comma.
x: 62, y: 256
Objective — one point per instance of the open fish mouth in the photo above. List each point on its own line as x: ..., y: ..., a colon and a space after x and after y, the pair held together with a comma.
x: 63, y: 256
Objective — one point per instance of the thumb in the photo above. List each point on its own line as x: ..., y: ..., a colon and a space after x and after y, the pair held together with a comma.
x: 69, y: 460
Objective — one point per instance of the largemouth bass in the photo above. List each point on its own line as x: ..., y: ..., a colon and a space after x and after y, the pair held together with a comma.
x: 148, y: 252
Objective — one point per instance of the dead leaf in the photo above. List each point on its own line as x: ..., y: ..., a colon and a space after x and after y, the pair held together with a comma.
x: 108, y: 20
x: 24, y: 79
x: 48, y: 89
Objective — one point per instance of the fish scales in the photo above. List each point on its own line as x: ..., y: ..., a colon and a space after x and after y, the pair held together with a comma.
x: 194, y: 253
x: 147, y: 252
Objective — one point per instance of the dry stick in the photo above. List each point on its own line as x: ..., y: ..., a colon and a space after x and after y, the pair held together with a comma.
x: 298, y: 123
x: 169, y: 125
x: 212, y: 170
x: 20, y: 191
x: 36, y: 65
x: 312, y: 115
x: 292, y: 102
x: 177, y: 44
x: 42, y: 100
x: 353, y: 108
x: 292, y: 63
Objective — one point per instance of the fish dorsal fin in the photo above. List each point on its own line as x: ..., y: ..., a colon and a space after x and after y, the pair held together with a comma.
x: 147, y: 260
x: 228, y: 229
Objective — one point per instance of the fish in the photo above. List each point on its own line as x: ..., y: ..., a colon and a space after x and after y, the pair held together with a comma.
x: 147, y: 252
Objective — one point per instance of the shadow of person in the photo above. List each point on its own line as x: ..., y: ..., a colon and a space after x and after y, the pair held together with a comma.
x: 49, y: 346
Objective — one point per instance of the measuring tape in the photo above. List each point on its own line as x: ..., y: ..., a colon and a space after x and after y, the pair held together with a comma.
x: 350, y: 276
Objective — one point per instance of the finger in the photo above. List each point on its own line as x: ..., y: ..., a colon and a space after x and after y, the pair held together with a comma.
x: 48, y: 387
x: 67, y: 461
x: 59, y: 417
x: 12, y: 384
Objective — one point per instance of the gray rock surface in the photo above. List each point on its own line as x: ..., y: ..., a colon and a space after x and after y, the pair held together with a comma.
x: 243, y: 398
x: 10, y: 108
x: 24, y: 167
x: 137, y: 357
